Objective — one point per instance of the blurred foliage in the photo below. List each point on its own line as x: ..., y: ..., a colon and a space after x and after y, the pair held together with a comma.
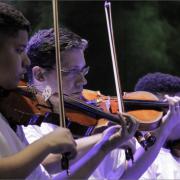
x: 146, y: 34
x: 145, y: 45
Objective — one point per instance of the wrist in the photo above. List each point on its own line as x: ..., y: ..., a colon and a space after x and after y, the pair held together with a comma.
x: 103, y: 146
x: 46, y: 145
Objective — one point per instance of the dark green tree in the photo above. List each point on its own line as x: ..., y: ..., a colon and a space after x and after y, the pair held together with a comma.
x: 145, y: 42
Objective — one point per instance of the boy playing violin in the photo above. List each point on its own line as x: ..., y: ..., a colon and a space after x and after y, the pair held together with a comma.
x: 41, y: 51
x: 18, y: 160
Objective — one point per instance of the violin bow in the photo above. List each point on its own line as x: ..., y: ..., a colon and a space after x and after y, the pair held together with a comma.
x: 64, y: 160
x: 107, y: 7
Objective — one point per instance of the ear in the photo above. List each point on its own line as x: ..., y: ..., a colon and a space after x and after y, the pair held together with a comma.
x: 38, y: 73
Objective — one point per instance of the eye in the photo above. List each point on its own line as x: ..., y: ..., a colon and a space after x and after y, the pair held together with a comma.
x: 74, y: 70
x: 20, y: 50
x: 69, y: 70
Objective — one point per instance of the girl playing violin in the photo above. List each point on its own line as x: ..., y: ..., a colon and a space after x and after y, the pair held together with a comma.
x: 41, y: 51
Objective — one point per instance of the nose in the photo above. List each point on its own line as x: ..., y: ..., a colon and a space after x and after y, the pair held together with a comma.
x: 82, y: 80
x: 25, y: 60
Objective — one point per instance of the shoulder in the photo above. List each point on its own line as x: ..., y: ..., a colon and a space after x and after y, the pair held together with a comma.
x: 3, y: 120
x: 4, y: 126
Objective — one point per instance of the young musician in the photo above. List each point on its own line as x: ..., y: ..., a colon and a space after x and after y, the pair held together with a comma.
x: 18, y: 160
x: 167, y: 163
x: 41, y: 51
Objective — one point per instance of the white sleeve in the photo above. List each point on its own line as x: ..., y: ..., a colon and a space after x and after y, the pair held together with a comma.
x: 4, y: 150
x: 150, y: 173
x: 112, y: 167
x: 40, y: 174
x: 34, y: 132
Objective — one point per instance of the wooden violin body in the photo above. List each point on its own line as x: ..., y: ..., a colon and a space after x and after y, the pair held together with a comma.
x: 25, y: 107
x: 144, y: 106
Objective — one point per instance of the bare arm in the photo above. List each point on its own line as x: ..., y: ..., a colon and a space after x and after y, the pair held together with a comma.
x: 21, y: 164
x: 52, y: 161
x: 87, y: 164
x: 171, y: 120
x: 112, y: 138
x: 27, y: 159
x: 137, y: 170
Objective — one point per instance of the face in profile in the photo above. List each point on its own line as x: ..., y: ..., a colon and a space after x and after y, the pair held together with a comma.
x: 13, y: 59
x: 73, y: 73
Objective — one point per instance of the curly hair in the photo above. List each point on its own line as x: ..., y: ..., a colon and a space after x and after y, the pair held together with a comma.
x: 12, y: 20
x: 41, y: 46
x: 158, y: 83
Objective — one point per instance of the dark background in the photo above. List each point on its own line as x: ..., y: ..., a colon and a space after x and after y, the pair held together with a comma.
x: 147, y: 36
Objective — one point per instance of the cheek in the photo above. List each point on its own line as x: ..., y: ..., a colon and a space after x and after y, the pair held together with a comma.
x: 68, y: 84
x: 16, y: 66
x: 13, y: 61
x: 11, y: 67
x: 53, y: 84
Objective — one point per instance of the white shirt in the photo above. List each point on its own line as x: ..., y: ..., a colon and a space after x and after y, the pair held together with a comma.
x: 11, y: 144
x: 34, y: 132
x: 111, y: 168
x: 165, y: 166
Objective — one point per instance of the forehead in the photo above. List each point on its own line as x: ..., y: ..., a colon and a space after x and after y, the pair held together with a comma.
x: 19, y: 39
x: 73, y: 58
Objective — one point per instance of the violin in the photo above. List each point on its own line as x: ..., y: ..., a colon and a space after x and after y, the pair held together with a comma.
x: 25, y: 106
x: 144, y: 106
x: 28, y: 107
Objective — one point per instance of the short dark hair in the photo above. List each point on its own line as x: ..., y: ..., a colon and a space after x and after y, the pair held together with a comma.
x: 158, y: 83
x: 12, y: 20
x: 41, y: 46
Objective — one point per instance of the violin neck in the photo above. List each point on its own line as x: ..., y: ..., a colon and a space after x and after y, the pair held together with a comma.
x: 148, y: 104
x: 92, y: 111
